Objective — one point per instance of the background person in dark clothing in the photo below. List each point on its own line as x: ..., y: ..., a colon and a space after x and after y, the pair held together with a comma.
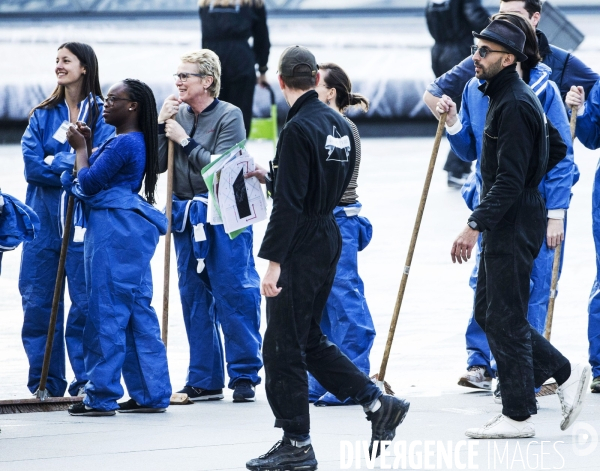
x: 567, y: 70
x: 314, y: 160
x: 519, y: 147
x: 226, y: 26
x: 450, y: 23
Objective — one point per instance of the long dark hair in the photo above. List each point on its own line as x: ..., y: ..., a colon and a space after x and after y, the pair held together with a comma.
x: 531, y: 49
x: 91, y: 82
x: 337, y: 78
x: 148, y: 122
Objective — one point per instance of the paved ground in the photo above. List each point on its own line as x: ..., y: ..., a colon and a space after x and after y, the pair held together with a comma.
x: 427, y: 357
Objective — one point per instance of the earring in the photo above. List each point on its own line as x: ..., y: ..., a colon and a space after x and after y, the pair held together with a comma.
x: 328, y: 102
x: 130, y: 109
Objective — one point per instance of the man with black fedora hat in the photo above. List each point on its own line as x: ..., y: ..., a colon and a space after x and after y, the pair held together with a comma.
x: 313, y: 165
x: 511, y: 216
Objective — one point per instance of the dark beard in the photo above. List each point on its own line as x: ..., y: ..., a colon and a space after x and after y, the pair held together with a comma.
x: 491, y: 71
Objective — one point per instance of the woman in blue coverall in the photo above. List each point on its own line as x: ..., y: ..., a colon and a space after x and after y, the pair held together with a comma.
x: 466, y: 140
x: 47, y: 154
x: 346, y: 319
x: 588, y: 132
x: 121, y: 335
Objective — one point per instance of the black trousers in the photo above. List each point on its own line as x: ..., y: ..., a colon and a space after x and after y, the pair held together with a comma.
x: 293, y: 340
x: 525, y: 358
x: 239, y: 91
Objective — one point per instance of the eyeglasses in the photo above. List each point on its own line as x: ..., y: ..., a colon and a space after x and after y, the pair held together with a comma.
x: 110, y: 99
x: 483, y: 51
x: 184, y: 76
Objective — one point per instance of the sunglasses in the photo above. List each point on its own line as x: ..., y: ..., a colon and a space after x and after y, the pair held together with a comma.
x: 484, y: 51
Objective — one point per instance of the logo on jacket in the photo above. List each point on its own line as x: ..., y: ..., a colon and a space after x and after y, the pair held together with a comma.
x: 335, y: 141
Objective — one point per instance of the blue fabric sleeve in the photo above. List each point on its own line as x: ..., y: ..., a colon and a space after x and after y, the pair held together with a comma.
x: 559, y: 180
x: 588, y: 124
x: 578, y: 74
x: 108, y: 163
x: 37, y: 171
x: 453, y: 82
x: 463, y: 142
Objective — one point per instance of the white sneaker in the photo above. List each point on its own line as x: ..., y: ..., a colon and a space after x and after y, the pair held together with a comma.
x: 476, y: 377
x: 572, y: 393
x: 502, y: 426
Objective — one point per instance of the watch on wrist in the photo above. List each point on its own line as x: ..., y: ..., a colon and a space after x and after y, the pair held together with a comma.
x: 184, y: 142
x: 473, y: 225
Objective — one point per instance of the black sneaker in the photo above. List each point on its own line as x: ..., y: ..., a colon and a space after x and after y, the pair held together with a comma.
x: 81, y: 409
x: 385, y: 420
x: 243, y: 391
x: 197, y: 394
x: 132, y: 406
x: 285, y: 457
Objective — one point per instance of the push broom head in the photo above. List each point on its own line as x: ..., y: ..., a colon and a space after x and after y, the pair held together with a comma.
x: 23, y: 406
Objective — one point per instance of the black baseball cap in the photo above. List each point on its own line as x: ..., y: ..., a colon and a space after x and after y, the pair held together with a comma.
x: 297, y: 61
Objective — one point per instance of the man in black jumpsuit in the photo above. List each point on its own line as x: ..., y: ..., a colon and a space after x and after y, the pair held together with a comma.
x: 450, y: 23
x: 314, y: 161
x: 519, y: 147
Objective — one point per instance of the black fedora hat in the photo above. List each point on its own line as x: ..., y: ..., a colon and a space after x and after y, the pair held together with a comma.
x: 506, y: 34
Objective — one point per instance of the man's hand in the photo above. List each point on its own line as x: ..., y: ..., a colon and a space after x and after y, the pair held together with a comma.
x: 575, y: 97
x: 169, y: 108
x: 555, y: 233
x: 258, y: 172
x: 174, y: 131
x: 268, y: 287
x: 463, y: 245
x: 446, y: 105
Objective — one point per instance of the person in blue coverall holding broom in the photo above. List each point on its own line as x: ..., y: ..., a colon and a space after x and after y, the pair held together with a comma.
x: 465, y: 135
x: 588, y: 132
x: 121, y: 335
x: 46, y: 152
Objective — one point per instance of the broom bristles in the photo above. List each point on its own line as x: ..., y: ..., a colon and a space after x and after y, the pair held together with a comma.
x: 386, y: 385
x: 24, y: 406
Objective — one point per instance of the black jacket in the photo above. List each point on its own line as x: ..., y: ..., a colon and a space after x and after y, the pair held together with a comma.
x: 452, y: 21
x: 315, y: 158
x: 226, y: 31
x: 519, y: 147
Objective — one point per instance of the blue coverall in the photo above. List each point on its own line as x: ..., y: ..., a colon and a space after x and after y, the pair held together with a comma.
x: 346, y: 318
x: 588, y: 132
x: 39, y: 262
x: 18, y: 223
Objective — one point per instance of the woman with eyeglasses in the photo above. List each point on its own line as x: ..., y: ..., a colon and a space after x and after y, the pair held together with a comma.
x: 46, y: 152
x: 346, y: 320
x: 226, y: 26
x: 224, y: 281
x: 122, y: 335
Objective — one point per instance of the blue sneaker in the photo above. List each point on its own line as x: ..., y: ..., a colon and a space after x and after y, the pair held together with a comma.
x: 243, y: 391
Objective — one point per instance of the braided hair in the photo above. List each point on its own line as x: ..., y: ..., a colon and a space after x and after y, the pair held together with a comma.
x: 337, y: 78
x: 148, y: 123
